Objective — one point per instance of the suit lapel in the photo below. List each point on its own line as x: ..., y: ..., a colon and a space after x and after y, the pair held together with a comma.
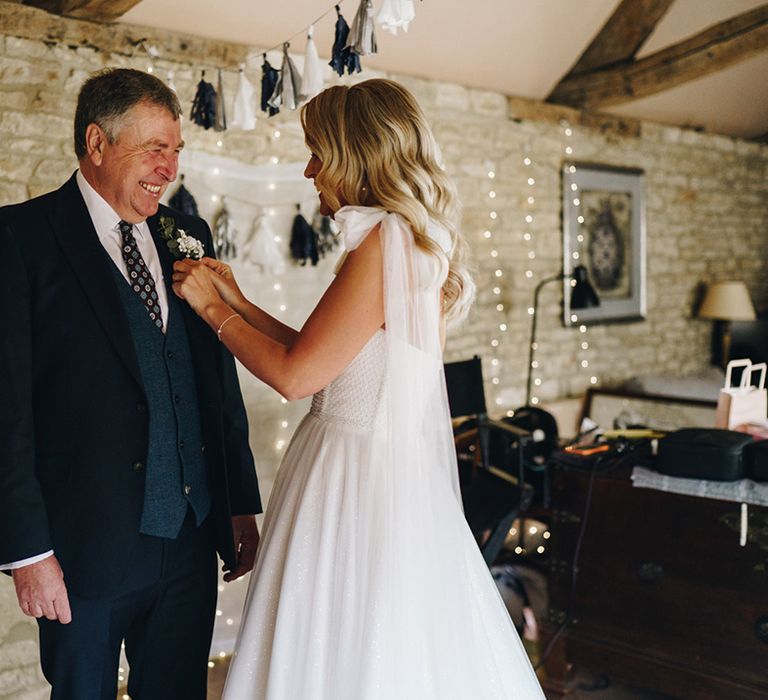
x: 201, y: 340
x: 74, y: 229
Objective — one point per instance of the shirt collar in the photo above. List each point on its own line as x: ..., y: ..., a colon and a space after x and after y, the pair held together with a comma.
x: 105, y: 219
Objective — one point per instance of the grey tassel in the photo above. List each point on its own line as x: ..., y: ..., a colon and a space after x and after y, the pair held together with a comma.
x: 362, y: 36
x: 224, y: 234
x: 287, y: 92
x: 221, y: 117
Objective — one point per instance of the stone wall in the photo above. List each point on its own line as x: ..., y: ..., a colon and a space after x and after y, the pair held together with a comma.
x: 707, y: 219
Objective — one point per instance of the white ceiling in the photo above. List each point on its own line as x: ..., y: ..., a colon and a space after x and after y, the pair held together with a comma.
x: 517, y: 47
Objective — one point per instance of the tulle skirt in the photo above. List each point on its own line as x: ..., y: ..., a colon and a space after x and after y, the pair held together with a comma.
x: 333, y: 614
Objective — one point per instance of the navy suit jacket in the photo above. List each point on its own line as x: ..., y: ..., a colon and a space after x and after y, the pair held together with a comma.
x: 73, y: 414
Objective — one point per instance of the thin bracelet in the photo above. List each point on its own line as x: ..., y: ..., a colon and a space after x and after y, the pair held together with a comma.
x: 224, y: 323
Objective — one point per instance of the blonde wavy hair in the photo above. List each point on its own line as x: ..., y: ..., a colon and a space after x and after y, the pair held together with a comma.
x: 376, y: 147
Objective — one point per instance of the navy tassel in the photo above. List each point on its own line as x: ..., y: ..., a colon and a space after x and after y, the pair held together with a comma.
x: 327, y: 240
x: 269, y: 78
x: 183, y: 201
x: 204, y: 105
x: 303, y: 241
x: 341, y: 55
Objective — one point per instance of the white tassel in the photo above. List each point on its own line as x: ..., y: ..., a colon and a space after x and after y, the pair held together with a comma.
x: 263, y: 247
x: 362, y: 35
x: 170, y: 82
x: 244, y: 109
x: 312, y: 81
x: 396, y: 14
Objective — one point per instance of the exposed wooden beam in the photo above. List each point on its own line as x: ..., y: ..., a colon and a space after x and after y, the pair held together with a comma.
x: 521, y: 108
x: 94, y: 10
x: 717, y: 47
x: 622, y: 35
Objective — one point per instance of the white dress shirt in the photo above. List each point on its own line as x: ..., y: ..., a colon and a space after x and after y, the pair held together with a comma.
x: 105, y: 221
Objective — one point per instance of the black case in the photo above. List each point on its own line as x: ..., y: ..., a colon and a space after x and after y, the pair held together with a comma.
x: 756, y: 460
x: 703, y: 453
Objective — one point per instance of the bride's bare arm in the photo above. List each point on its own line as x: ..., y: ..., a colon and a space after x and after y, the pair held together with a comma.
x: 350, y: 312
x: 232, y: 295
x: 266, y: 324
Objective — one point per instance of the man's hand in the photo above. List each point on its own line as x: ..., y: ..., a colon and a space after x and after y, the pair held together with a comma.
x: 41, y: 590
x: 246, y: 541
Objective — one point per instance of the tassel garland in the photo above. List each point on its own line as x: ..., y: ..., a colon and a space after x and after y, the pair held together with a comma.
x: 244, y: 109
x: 362, y: 36
x: 342, y: 57
x: 204, y: 104
x: 312, y: 82
x: 269, y: 79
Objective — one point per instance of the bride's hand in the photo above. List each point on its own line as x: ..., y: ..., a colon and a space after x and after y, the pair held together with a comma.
x: 225, y: 282
x: 194, y: 282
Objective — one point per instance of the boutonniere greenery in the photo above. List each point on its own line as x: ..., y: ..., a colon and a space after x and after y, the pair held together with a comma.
x: 178, y: 241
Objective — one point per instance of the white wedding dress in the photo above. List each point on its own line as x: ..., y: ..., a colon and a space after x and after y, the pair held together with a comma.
x: 368, y: 584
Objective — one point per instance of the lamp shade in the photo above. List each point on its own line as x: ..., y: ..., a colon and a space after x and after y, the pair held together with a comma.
x: 727, y: 301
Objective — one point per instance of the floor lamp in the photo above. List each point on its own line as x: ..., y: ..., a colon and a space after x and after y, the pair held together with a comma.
x: 583, y: 296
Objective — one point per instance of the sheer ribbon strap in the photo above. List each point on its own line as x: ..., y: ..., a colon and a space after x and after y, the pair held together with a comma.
x: 417, y: 401
x: 420, y: 475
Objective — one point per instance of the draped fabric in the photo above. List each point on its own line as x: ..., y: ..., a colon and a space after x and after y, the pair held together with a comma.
x: 368, y: 584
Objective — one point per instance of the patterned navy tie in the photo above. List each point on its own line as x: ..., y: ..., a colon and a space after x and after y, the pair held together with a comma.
x: 140, y: 277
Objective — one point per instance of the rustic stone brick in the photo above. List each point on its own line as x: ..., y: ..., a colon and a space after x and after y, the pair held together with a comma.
x: 34, y: 124
x: 14, y: 99
x: 17, y: 167
x: 452, y: 98
x: 12, y: 192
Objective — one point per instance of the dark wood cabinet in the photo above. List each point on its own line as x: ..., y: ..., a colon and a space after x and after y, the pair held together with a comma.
x: 665, y: 597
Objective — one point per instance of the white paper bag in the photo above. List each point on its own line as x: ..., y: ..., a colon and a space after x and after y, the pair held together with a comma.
x: 746, y: 403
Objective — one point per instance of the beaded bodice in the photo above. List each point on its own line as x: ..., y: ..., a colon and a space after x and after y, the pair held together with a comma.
x: 353, y: 398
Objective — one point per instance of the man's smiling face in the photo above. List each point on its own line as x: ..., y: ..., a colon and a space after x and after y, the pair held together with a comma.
x: 133, y: 172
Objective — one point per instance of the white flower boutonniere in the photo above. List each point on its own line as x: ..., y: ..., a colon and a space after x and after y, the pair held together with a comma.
x: 179, y: 242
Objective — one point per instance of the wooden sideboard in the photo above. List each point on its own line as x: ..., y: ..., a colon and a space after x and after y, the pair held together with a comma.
x: 665, y: 598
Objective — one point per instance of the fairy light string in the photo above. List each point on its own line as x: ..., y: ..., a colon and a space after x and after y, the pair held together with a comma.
x: 584, y: 351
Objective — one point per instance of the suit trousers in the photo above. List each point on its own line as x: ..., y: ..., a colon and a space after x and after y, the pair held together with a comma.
x: 163, y: 612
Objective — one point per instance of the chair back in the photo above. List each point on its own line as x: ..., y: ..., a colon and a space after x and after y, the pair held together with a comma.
x: 464, y: 382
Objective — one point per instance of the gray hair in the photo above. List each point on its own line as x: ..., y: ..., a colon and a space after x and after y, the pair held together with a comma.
x: 107, y: 95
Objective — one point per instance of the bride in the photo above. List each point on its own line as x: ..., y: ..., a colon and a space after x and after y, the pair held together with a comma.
x: 368, y: 584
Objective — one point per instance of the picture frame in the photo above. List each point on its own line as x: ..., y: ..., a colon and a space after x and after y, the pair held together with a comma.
x: 612, y: 408
x: 604, y: 230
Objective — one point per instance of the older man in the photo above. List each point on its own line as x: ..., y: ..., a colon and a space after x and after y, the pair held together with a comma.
x: 124, y: 458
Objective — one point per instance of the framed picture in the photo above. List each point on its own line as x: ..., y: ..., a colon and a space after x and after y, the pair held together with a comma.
x: 618, y: 409
x: 604, y: 230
